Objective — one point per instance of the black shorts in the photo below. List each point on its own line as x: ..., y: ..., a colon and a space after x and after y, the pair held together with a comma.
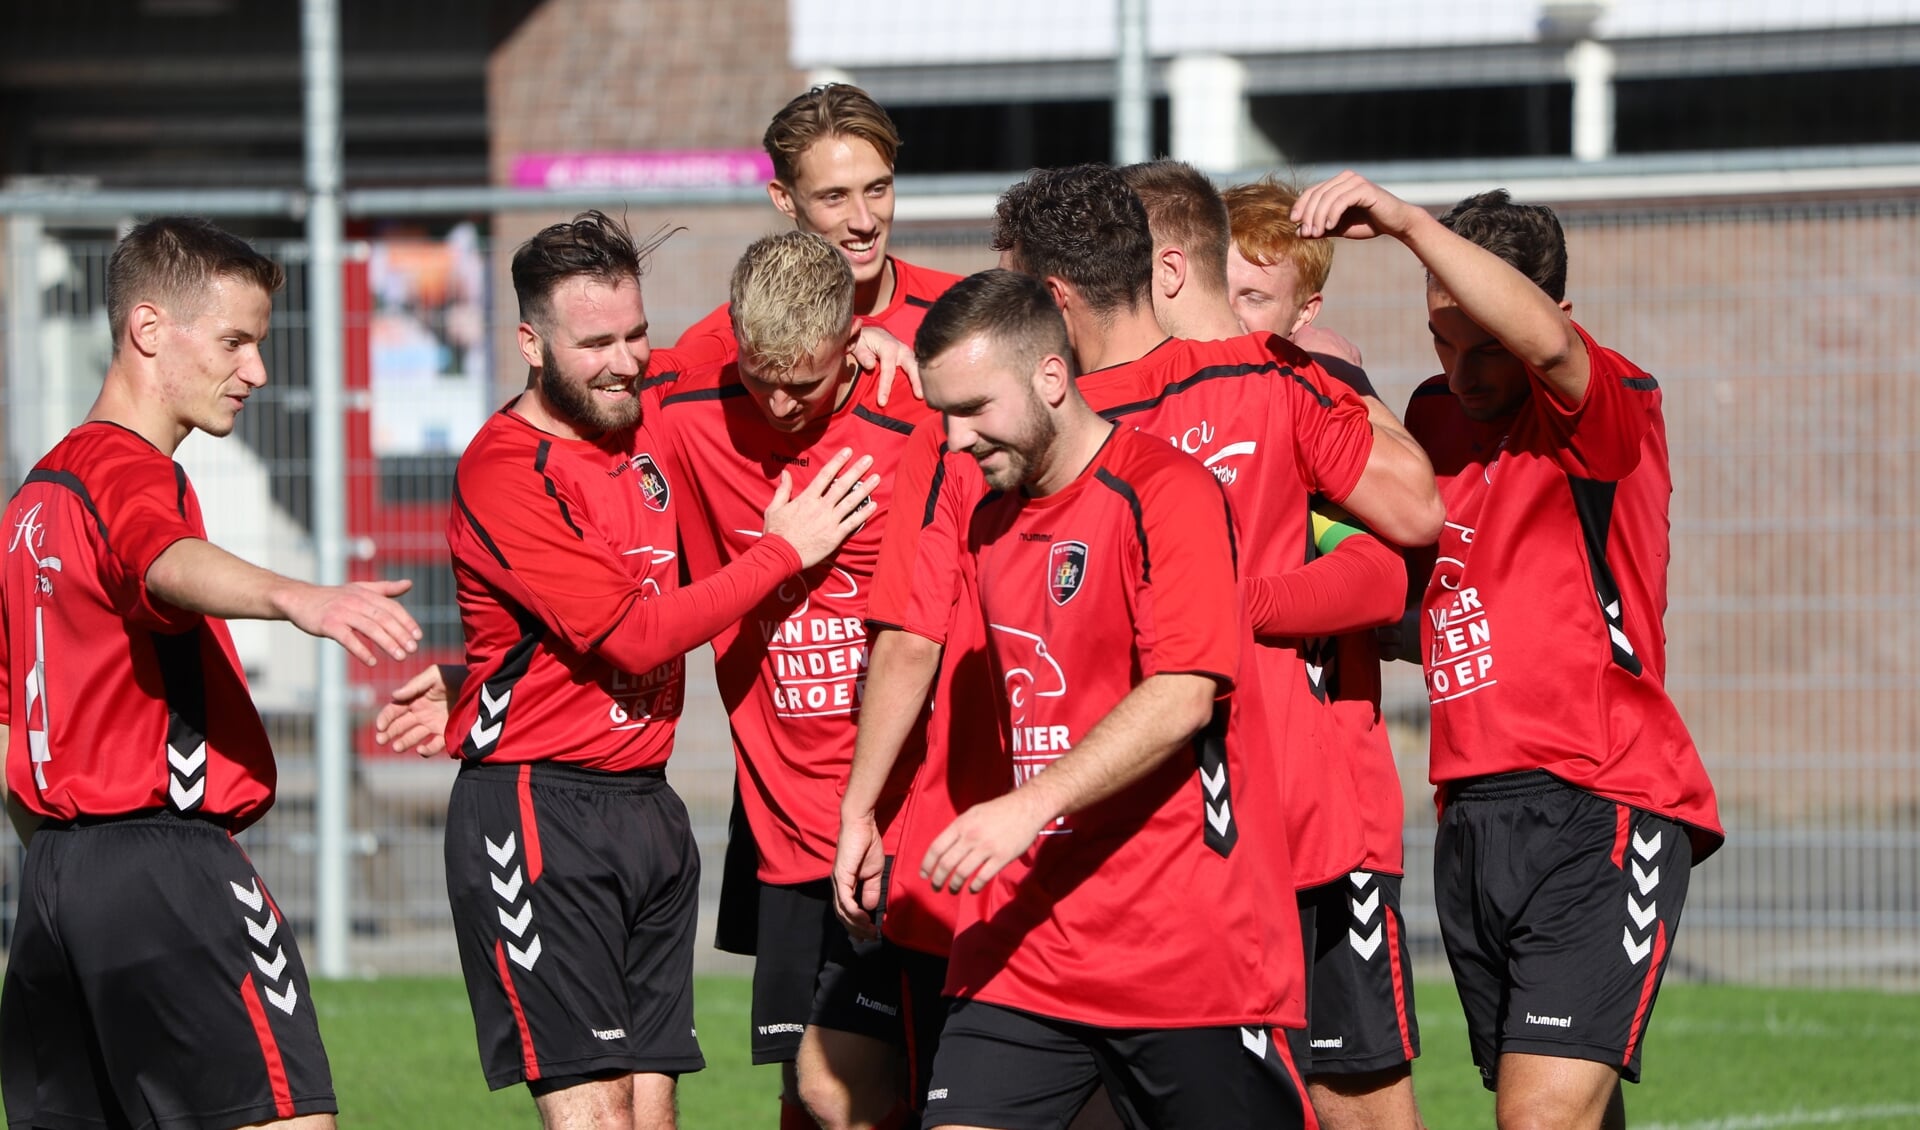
x: 575, y: 899
x: 1558, y: 909
x: 153, y: 981
x: 1005, y: 1068
x: 1359, y: 979
x: 736, y: 927
x: 797, y: 927
x: 889, y: 993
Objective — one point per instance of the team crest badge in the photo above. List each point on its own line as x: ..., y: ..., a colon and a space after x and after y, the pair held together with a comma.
x: 1066, y: 568
x: 653, y: 484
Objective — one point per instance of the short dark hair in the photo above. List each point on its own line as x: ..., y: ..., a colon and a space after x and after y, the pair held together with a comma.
x: 1527, y: 236
x: 592, y: 244
x: 1012, y: 310
x: 1184, y: 210
x: 1081, y: 224
x: 832, y: 109
x: 170, y: 261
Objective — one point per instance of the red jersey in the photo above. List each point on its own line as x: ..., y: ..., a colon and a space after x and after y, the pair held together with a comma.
x: 792, y: 672
x: 569, y: 589
x: 914, y: 291
x: 1166, y: 905
x: 118, y: 702
x: 1542, y: 624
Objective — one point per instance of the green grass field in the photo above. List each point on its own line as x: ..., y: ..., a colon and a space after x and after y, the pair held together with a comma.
x: 1718, y: 1059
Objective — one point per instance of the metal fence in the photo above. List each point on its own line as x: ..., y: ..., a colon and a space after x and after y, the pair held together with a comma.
x: 1785, y: 332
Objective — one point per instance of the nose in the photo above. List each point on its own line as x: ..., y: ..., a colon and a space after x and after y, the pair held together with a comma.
x: 781, y: 405
x: 1463, y: 376
x: 254, y: 371
x: 960, y: 436
x: 862, y: 220
x: 631, y: 360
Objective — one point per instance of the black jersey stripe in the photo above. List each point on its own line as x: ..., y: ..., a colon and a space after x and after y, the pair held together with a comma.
x: 1119, y: 486
x: 180, y: 489
x: 483, y: 737
x: 71, y: 481
x: 1593, y: 503
x: 479, y: 530
x: 720, y: 392
x: 658, y: 379
x: 1432, y: 390
x: 888, y: 422
x: 933, y: 489
x: 1640, y: 384
x: 1215, y: 373
x: 540, y: 455
x: 922, y: 303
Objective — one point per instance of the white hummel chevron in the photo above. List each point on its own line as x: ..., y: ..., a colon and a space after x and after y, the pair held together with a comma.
x: 501, y: 852
x: 1256, y: 1042
x: 494, y: 705
x: 1641, y: 915
x: 283, y: 1001
x: 186, y: 798
x: 1366, y: 946
x: 485, y: 735
x: 1620, y: 639
x: 1358, y: 878
x: 1647, y: 849
x: 1648, y: 880
x: 1363, y: 911
x: 525, y: 958
x: 1314, y: 673
x: 273, y: 968
x: 517, y: 923
x: 508, y: 889
x: 1613, y: 610
x: 1636, y: 951
x: 249, y: 894
x: 187, y: 764
x: 263, y: 932
x: 1214, y: 781
x: 1220, y: 818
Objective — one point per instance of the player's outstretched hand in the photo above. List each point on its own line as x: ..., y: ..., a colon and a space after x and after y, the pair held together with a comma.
x: 879, y: 351
x: 1350, y: 205
x: 857, y: 860
x: 819, y: 516
x: 361, y: 617
x: 417, y: 714
x: 981, y: 841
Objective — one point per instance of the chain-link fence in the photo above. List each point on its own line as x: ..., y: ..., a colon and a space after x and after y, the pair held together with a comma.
x: 1785, y: 333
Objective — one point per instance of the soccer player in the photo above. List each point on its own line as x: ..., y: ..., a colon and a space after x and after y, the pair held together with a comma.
x: 1361, y: 1035
x: 1102, y: 568
x: 1573, y: 802
x: 793, y: 671
x: 150, y: 980
x: 832, y: 150
x: 570, y: 864
x: 1265, y: 420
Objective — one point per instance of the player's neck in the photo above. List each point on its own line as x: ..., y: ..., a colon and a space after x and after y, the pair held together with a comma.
x: 121, y: 403
x: 1080, y: 435
x: 1203, y: 318
x: 875, y: 295
x: 534, y: 409
x: 1128, y: 335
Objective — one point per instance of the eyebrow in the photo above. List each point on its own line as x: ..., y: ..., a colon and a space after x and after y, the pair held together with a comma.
x: 602, y: 339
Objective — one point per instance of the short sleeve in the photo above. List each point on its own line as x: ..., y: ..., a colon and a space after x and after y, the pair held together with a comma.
x: 1332, y: 436
x: 1188, y: 612
x: 709, y: 341
x: 1601, y: 437
x: 146, y: 506
x: 918, y: 577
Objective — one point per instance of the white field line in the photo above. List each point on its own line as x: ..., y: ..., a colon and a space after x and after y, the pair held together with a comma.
x: 1794, y: 1117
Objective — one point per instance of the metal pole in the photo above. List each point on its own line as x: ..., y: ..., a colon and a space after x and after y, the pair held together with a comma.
x: 1132, y: 101
x: 320, y: 48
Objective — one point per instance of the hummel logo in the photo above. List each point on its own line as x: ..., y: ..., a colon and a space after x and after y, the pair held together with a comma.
x: 500, y: 852
x: 518, y: 922
x: 1647, y: 880
x: 1363, y: 911
x: 187, y: 764
x: 1334, y: 1042
x: 1646, y: 849
x: 249, y: 894
x: 1221, y: 818
x: 1366, y: 946
x: 1636, y: 951
x: 1641, y: 915
x: 509, y: 889
x: 1255, y: 1042
x: 1551, y: 1021
x: 1214, y: 781
x: 525, y: 958
x: 272, y: 968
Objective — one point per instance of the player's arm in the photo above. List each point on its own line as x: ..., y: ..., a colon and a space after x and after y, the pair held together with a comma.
x: 198, y: 576
x: 1501, y: 300
x: 1157, y: 717
x: 901, y: 667
x: 1356, y: 582
x: 1396, y: 494
x: 416, y: 710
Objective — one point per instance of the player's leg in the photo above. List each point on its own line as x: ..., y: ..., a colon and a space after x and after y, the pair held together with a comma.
x: 1002, y: 1069
x: 1541, y: 1092
x: 664, y: 912
x: 1361, y: 1031
x: 796, y: 923
x: 193, y: 987
x: 848, y: 1081
x: 1221, y: 1078
x: 586, y: 1104
x: 1471, y: 932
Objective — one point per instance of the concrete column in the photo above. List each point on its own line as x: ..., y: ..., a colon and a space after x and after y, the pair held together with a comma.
x: 1590, y: 64
x: 1208, y: 94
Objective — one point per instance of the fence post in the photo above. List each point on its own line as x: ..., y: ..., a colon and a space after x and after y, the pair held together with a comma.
x: 320, y: 48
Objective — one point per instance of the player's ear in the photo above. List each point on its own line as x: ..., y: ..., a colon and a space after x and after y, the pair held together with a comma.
x: 1566, y: 306
x: 1062, y: 292
x: 1307, y: 314
x: 1052, y: 378
x: 143, y: 328
x: 530, y: 345
x: 782, y: 198
x: 1169, y: 271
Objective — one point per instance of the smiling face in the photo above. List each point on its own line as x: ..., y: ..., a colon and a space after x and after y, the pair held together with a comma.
x: 210, y: 363
x: 1489, y: 382
x: 842, y: 191
x: 794, y: 399
x: 1266, y: 299
x: 590, y: 355
x: 993, y: 412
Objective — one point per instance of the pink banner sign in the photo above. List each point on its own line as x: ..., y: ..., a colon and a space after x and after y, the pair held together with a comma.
x: 657, y: 168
